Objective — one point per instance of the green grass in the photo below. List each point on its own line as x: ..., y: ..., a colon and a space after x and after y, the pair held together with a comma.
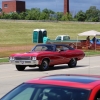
x: 92, y: 53
x: 3, y: 60
x: 20, y: 32
x: 13, y: 32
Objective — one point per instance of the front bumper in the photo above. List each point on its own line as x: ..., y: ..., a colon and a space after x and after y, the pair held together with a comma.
x: 24, y: 62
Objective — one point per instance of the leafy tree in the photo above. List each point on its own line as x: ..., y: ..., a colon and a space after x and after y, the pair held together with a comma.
x: 80, y: 16
x: 67, y: 17
x: 22, y: 15
x: 92, y: 14
x: 59, y: 15
x: 5, y: 16
x: 46, y: 13
x: 44, y: 16
x: 15, y: 15
x: 33, y: 14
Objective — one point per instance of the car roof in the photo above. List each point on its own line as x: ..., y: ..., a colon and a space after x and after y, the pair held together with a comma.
x: 70, y: 80
x: 62, y: 35
x: 47, y: 44
x: 53, y: 44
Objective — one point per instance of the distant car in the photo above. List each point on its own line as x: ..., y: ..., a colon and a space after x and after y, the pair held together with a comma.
x: 47, y: 55
x: 97, y: 41
x: 57, y: 87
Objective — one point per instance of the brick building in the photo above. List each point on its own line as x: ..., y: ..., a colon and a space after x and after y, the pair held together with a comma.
x: 10, y: 6
x: 66, y: 6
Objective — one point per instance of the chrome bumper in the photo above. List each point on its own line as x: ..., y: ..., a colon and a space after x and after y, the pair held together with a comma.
x: 24, y: 62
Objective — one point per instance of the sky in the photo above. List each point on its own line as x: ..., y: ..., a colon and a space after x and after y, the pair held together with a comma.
x: 57, y: 5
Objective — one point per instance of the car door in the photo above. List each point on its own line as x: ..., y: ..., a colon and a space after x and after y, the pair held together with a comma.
x: 65, y: 56
x: 56, y: 58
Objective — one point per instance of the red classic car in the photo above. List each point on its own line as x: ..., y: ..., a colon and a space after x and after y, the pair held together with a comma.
x: 57, y: 87
x: 47, y: 55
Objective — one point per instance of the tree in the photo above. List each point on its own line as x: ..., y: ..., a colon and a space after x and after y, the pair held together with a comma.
x: 33, y: 14
x: 93, y: 14
x: 22, y: 15
x: 5, y: 16
x: 67, y: 17
x: 80, y: 16
x: 59, y: 15
x: 15, y: 15
x: 46, y: 14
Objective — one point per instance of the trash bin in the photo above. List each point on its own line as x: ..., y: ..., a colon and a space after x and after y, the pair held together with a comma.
x: 38, y: 35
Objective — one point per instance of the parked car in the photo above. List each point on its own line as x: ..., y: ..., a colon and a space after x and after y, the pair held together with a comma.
x: 47, y: 55
x: 97, y: 41
x: 57, y: 87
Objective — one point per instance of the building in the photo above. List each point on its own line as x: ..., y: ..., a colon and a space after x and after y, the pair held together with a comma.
x: 10, y: 6
x: 66, y: 6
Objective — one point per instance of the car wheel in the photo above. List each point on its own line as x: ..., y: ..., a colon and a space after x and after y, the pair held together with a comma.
x: 44, y: 65
x: 20, y: 67
x: 72, y: 63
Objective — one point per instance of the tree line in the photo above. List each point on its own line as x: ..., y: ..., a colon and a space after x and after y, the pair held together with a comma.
x: 90, y: 15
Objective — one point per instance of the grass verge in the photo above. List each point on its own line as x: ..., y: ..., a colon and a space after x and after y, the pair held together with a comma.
x: 4, y: 60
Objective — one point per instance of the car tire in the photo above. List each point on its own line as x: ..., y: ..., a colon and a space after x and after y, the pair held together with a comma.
x: 44, y: 65
x: 72, y: 63
x: 20, y: 67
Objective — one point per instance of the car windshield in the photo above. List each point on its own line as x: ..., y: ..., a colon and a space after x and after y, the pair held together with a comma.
x: 58, y: 38
x: 43, y: 48
x: 27, y: 91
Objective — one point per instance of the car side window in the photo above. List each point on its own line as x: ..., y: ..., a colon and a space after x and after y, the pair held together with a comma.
x: 97, y: 97
x: 44, y: 48
x: 62, y: 48
x: 66, y: 38
x: 59, y: 48
x: 65, y: 48
x: 58, y: 38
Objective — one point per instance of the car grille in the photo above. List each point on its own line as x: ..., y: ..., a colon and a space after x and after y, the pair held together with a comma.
x: 24, y: 62
x: 22, y: 58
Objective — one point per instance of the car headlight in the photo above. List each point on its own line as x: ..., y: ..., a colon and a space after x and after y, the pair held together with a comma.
x: 33, y: 58
x: 11, y: 58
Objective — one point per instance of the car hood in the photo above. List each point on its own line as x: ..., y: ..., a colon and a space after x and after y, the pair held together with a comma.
x: 38, y: 53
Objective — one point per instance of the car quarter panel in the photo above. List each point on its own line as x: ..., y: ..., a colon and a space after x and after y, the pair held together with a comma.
x: 94, y: 91
x: 72, y: 54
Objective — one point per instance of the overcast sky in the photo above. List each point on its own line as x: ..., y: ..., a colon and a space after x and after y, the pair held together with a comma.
x: 57, y: 5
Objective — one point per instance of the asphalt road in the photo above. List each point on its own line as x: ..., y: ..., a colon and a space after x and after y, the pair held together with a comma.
x: 10, y: 77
